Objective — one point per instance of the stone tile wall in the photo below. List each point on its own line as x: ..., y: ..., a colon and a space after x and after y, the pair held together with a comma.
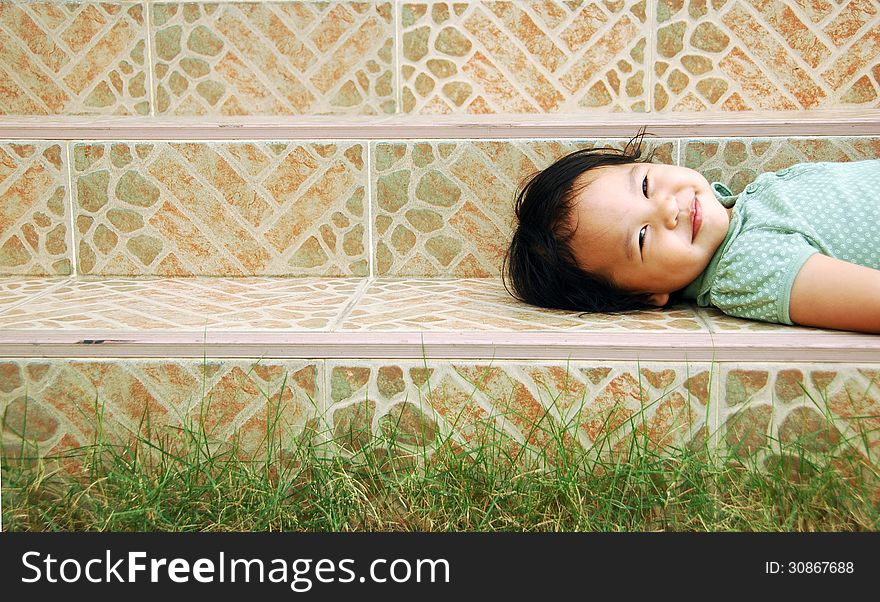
x: 470, y: 57
x: 351, y: 406
x: 237, y: 209
x: 53, y: 407
x: 35, y: 236
x: 75, y: 59
x: 431, y: 208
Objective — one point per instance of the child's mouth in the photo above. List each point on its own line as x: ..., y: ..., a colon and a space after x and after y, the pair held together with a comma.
x: 696, y: 219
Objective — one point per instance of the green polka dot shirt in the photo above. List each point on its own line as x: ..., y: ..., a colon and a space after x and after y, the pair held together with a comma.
x: 778, y: 222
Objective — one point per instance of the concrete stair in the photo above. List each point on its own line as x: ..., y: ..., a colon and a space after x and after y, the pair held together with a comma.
x: 458, y: 355
x: 329, y: 240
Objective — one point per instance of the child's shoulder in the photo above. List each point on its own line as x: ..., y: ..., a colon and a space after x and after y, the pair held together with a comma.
x: 864, y: 165
x: 820, y: 174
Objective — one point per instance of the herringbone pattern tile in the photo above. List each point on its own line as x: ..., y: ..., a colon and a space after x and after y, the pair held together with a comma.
x: 224, y: 209
x: 274, y: 58
x: 524, y: 57
x: 73, y: 59
x: 482, y: 305
x: 226, y: 304
x: 34, y: 235
x: 737, y: 55
x: 18, y: 291
x: 60, y: 405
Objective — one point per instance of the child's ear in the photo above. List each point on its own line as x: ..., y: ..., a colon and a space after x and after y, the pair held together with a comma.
x: 658, y: 299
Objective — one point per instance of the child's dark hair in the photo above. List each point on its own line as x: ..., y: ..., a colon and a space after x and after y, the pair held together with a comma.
x: 540, y: 262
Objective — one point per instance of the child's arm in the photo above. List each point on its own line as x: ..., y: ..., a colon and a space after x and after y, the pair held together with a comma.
x: 830, y: 293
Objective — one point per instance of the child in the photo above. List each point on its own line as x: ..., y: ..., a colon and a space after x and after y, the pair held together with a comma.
x: 605, y: 231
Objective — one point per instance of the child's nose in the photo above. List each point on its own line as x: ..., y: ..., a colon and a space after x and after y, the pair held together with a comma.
x: 669, y: 211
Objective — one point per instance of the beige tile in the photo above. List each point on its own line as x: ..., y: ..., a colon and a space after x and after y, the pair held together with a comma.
x: 76, y: 58
x: 187, y: 304
x: 58, y: 405
x: 220, y: 209
x: 523, y: 57
x: 540, y: 406
x: 34, y: 233
x: 720, y: 322
x: 774, y: 411
x: 482, y: 304
x: 738, y: 161
x: 743, y: 55
x: 274, y: 58
x: 15, y: 291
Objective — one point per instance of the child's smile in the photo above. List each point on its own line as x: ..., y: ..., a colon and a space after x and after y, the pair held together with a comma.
x: 648, y: 228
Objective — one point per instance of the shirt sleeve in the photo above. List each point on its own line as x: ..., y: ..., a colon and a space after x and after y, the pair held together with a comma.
x: 755, y: 277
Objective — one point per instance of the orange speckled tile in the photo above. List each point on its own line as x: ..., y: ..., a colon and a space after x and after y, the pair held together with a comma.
x: 523, y: 57
x: 541, y: 405
x: 738, y: 161
x: 34, y: 215
x: 767, y: 410
x: 53, y: 403
x: 267, y: 208
x: 482, y: 304
x: 445, y: 208
x: 273, y: 58
x: 18, y: 291
x: 73, y: 58
x: 741, y: 55
x: 218, y: 304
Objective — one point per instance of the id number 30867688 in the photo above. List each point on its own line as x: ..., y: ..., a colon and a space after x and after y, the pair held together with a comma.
x: 800, y: 568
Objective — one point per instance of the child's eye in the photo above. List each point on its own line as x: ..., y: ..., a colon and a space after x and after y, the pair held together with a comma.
x: 645, y: 186
x: 642, y: 233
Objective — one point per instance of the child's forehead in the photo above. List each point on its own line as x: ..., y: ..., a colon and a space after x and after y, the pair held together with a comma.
x: 596, y: 200
x: 585, y: 182
x: 602, y: 171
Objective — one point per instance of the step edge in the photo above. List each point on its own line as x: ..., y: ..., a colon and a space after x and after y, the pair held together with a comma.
x: 823, y: 346
x: 862, y: 122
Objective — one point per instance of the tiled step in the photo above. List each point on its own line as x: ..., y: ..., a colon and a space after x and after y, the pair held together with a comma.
x: 190, y: 210
x: 435, y: 57
x: 343, y: 207
x: 386, y: 318
x: 852, y: 121
x: 361, y: 318
x: 391, y: 308
x: 456, y: 355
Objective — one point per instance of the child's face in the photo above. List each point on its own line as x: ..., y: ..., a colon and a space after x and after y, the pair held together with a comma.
x: 671, y: 210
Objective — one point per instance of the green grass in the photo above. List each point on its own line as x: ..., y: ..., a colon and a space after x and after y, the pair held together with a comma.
x: 182, y: 481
